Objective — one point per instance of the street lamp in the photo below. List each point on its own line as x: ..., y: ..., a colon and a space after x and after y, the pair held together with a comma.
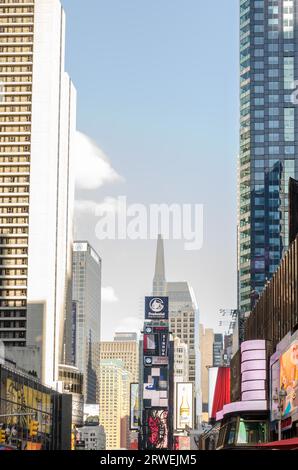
x: 279, y: 398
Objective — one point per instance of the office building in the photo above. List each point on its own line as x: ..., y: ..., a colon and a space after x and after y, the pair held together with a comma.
x: 268, y: 131
x: 181, y: 361
x: 91, y: 437
x: 125, y: 347
x: 87, y: 298
x: 37, y: 125
x: 206, y: 349
x: 71, y: 381
x: 114, y: 402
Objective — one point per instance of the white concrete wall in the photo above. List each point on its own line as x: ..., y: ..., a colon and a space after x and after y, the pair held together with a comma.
x: 50, y: 187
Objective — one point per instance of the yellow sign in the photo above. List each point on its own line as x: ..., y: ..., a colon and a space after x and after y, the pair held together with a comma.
x: 22, y: 399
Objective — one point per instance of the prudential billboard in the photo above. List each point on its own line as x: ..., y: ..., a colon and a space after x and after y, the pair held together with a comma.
x: 156, y: 308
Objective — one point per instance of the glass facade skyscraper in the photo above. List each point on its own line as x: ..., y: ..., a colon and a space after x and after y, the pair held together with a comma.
x: 86, y: 291
x: 268, y: 133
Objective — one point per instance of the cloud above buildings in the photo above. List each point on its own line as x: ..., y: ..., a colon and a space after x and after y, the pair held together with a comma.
x: 88, y: 206
x: 93, y: 168
x: 108, y: 295
x: 131, y: 324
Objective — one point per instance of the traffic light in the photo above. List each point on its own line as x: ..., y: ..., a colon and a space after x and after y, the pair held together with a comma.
x: 33, y: 429
x: 2, y: 436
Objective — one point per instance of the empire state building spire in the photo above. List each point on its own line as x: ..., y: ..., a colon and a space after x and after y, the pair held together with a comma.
x: 159, y: 280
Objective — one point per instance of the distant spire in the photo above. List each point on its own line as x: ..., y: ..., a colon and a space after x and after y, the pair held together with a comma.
x: 159, y: 280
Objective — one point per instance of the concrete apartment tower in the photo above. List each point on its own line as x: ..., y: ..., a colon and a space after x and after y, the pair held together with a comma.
x: 37, y: 115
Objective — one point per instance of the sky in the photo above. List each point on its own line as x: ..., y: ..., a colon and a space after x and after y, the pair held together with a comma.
x: 157, y: 87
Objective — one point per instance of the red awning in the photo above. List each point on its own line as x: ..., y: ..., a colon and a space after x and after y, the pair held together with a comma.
x: 222, y: 390
x: 285, y: 444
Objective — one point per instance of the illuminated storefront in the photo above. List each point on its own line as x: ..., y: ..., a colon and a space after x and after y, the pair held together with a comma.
x: 33, y: 417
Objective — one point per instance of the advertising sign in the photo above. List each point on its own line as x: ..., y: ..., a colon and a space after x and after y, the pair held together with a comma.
x: 156, y: 341
x: 289, y: 378
x: 157, y: 429
x: 184, y: 406
x: 155, y: 361
x: 134, y: 407
x: 156, y: 308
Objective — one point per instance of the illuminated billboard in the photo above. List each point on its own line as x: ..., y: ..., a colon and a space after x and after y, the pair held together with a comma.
x: 156, y: 341
x: 289, y: 378
x: 156, y: 308
x: 184, y: 406
x: 134, y: 407
x: 157, y: 429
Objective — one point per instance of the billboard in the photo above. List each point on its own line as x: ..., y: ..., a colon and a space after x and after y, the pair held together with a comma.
x: 157, y: 429
x: 156, y: 340
x: 156, y: 308
x: 184, y: 406
x: 155, y: 387
x: 134, y: 407
x: 289, y: 378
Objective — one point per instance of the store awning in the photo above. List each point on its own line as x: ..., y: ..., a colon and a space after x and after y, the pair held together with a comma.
x: 286, y: 444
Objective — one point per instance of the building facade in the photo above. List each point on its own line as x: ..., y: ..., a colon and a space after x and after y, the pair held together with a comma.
x: 206, y: 348
x: 268, y: 131
x: 87, y: 297
x: 24, y: 399
x: 37, y: 125
x: 181, y: 361
x: 92, y: 437
x: 125, y: 347
x: 114, y: 402
x: 71, y: 381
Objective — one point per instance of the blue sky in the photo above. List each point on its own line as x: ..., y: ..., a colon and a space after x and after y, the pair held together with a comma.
x: 157, y: 90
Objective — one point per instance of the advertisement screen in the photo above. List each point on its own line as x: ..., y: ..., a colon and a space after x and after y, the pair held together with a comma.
x: 184, y: 406
x: 156, y: 308
x: 289, y: 378
x: 134, y: 407
x: 156, y: 341
x: 157, y: 429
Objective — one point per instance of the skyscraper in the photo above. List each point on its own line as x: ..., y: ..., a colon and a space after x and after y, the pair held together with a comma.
x: 125, y: 347
x: 268, y: 131
x: 183, y: 315
x: 159, y: 280
x: 206, y: 349
x: 114, y: 402
x: 87, y: 297
x: 37, y: 125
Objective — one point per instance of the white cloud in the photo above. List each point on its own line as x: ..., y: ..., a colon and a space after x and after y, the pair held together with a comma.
x: 93, y: 168
x: 108, y: 295
x: 109, y: 204
x: 131, y: 324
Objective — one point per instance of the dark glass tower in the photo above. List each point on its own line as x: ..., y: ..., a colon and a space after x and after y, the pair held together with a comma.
x: 268, y: 134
